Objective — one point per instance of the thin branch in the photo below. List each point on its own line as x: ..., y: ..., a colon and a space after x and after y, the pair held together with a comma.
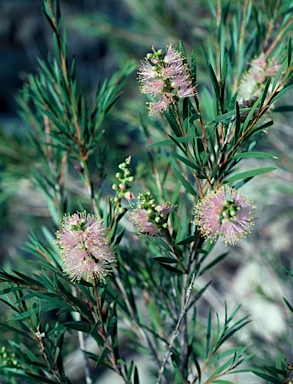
x: 87, y: 373
x: 176, y: 330
x: 139, y: 329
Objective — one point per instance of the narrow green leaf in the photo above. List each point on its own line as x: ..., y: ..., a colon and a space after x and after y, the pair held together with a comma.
x: 232, y: 331
x: 265, y: 91
x: 168, y: 260
x: 289, y: 55
x: 277, y: 371
x: 288, y: 304
x: 184, y: 182
x: 222, y: 368
x: 269, y: 379
x: 227, y: 115
x: 208, y: 334
x: 171, y: 269
x: 188, y: 240
x: 214, y: 81
x: 250, y: 174
x: 238, y: 351
x: 32, y: 377
x: 193, y: 66
x: 170, y: 116
x: 279, y: 75
x: 198, y: 368
x: 135, y: 376
x: 16, y: 331
x: 254, y: 154
x: 199, y: 293
x: 179, y: 379
x: 250, y: 114
x: 281, y: 92
x: 102, y: 357
x: 214, y: 262
x: 168, y: 142
x: 82, y: 326
x: 186, y: 161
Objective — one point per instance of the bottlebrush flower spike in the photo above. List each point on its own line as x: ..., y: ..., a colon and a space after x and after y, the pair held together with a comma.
x: 253, y: 81
x: 224, y: 213
x: 167, y: 77
x: 149, y: 218
x: 85, y: 251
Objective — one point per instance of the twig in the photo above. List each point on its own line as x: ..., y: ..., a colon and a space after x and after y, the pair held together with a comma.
x: 176, y: 330
x: 134, y: 315
x: 107, y: 343
x: 88, y: 379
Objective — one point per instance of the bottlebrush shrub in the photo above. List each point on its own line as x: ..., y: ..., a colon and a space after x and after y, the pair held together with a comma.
x: 119, y: 270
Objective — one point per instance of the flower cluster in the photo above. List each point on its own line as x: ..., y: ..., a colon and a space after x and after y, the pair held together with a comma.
x: 86, y: 252
x: 123, y: 186
x: 8, y: 359
x: 167, y: 77
x: 150, y: 218
x: 253, y: 82
x: 226, y: 213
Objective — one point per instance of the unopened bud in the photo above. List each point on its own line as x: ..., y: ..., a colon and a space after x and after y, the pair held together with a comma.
x: 129, y: 195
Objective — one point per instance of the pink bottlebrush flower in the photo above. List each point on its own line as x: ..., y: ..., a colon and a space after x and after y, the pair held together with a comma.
x: 172, y: 71
x: 140, y: 220
x: 186, y: 91
x: 161, y: 105
x: 172, y: 56
x: 151, y: 222
x: 167, y: 76
x: 85, y: 251
x: 165, y: 209
x: 259, y: 62
x: 181, y: 80
x: 148, y: 78
x: 224, y: 213
x: 146, y: 71
x: 252, y: 82
x: 152, y: 87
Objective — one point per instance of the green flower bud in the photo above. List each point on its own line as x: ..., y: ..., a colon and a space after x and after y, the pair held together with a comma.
x: 233, y: 212
x: 122, y: 165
